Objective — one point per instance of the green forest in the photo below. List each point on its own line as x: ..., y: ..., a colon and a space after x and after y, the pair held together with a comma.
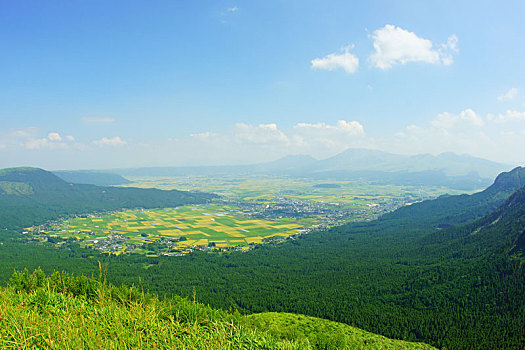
x: 429, y: 272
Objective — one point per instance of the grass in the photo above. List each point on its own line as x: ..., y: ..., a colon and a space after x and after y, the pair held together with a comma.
x: 64, y: 312
x: 61, y: 311
x: 324, y: 334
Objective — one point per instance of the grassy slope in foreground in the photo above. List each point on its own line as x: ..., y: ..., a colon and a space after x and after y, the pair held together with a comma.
x: 61, y: 311
x: 324, y: 334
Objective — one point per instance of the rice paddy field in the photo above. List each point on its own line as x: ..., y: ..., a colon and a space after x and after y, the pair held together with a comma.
x: 251, y: 210
x: 216, y: 226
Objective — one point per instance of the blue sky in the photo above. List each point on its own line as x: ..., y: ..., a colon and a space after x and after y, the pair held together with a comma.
x: 101, y: 84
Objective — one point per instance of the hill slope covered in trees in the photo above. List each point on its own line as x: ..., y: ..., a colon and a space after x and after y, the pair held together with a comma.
x: 97, y: 178
x: 30, y: 196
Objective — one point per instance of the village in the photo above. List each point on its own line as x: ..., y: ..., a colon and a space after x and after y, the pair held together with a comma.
x: 309, y: 214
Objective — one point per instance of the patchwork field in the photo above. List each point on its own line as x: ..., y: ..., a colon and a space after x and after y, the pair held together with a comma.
x: 250, y: 210
x: 180, y: 228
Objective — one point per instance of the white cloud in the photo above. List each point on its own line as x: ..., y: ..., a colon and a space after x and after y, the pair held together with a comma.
x: 97, y: 120
x: 333, y: 61
x: 52, y: 141
x: 43, y: 143
x: 395, y: 45
x: 70, y: 138
x: 54, y: 136
x: 322, y: 139
x: 204, y: 135
x: 352, y: 128
x: 232, y: 9
x: 112, y: 142
x: 509, y: 116
x: 17, y: 138
x: 463, y: 132
x: 509, y: 95
x: 452, y: 43
x: 263, y: 142
x: 467, y: 118
x: 260, y: 134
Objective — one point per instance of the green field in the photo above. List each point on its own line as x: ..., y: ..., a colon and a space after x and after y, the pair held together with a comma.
x: 265, y: 188
x: 177, y: 228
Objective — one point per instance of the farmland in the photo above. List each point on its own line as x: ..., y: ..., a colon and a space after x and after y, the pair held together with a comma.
x: 358, y: 199
x: 170, y: 231
x: 250, y: 210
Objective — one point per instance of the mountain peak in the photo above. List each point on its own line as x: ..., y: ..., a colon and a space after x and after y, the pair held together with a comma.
x: 510, y: 180
x: 290, y: 162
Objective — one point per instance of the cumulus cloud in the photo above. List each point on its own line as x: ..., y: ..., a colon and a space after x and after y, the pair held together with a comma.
x: 352, y: 128
x: 509, y: 95
x: 260, y: 134
x: 52, y: 141
x: 395, y: 45
x: 344, y: 60
x: 54, y: 136
x: 509, y: 116
x: 112, y: 142
x: 467, y: 118
x: 97, y: 120
x: 322, y: 139
x: 452, y: 43
x: 463, y: 132
x: 263, y: 142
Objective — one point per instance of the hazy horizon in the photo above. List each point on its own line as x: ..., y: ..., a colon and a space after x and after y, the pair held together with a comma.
x: 102, y: 85
x: 248, y: 162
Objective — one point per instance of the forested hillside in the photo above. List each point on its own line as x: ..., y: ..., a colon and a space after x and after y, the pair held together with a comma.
x: 97, y: 178
x: 453, y: 210
x: 455, y: 287
x: 30, y: 196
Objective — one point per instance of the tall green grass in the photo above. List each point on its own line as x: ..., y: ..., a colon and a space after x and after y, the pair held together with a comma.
x: 66, y: 312
x: 62, y: 311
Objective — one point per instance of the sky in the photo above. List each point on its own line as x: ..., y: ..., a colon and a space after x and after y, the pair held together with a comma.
x: 111, y: 84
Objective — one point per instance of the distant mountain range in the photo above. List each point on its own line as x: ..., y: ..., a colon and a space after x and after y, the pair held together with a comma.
x: 446, y: 169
